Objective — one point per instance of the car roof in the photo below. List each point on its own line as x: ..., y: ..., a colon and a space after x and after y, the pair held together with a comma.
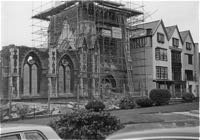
x: 9, y: 128
x: 15, y: 128
x: 182, y: 131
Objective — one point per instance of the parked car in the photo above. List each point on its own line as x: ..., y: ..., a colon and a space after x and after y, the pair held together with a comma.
x: 27, y: 132
x: 184, y: 133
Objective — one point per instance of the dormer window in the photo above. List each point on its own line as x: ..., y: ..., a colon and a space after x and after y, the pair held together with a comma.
x: 160, y: 38
x: 188, y: 46
x: 175, y: 42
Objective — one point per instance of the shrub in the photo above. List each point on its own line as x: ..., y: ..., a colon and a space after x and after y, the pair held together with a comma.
x: 188, y: 97
x: 127, y: 103
x: 144, y: 102
x: 22, y: 111
x: 95, y: 106
x: 86, y: 125
x: 160, y: 96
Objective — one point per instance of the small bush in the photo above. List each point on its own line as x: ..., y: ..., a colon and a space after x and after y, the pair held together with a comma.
x: 86, y: 125
x: 22, y: 111
x: 95, y: 106
x: 188, y: 97
x: 127, y: 103
x: 160, y: 96
x: 144, y: 102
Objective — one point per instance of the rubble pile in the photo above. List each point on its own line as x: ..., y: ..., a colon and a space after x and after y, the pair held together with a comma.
x: 27, y: 109
x: 111, y: 100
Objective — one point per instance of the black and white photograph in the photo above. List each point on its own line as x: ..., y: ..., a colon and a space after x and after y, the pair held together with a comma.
x: 99, y: 70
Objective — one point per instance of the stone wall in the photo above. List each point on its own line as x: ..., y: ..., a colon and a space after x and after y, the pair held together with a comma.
x: 13, y: 59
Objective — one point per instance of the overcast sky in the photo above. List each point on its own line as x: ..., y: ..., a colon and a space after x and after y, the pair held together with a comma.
x: 16, y: 18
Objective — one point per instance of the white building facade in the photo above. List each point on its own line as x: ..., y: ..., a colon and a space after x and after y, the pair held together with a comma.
x: 163, y: 57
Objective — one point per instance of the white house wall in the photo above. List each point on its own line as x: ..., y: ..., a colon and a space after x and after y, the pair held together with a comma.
x: 196, y: 68
x: 164, y: 45
x: 176, y: 35
x: 185, y: 64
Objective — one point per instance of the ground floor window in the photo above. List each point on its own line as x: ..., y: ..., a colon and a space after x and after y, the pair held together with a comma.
x: 161, y: 72
x: 64, y: 78
x: 30, y: 76
x: 189, y: 75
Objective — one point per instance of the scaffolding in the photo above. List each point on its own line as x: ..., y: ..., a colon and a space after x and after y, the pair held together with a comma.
x: 40, y: 27
x: 110, y: 59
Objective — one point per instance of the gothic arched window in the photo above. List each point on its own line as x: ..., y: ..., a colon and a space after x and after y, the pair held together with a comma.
x: 64, y: 77
x: 34, y: 87
x: 67, y: 79
x: 30, y: 75
x: 26, y: 77
x: 61, y: 79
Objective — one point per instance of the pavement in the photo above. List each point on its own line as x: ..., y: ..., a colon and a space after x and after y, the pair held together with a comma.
x: 169, y: 120
x: 193, y: 113
x: 168, y: 113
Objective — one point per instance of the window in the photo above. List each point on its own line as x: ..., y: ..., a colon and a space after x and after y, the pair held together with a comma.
x: 64, y: 76
x: 176, y: 73
x: 161, y: 54
x: 34, y: 136
x: 161, y: 72
x: 112, y: 16
x: 189, y: 56
x: 189, y: 75
x: 190, y: 88
x: 108, y: 47
x: 160, y: 38
x: 175, y: 42
x: 188, y: 46
x: 31, y: 75
x: 176, y: 57
x: 11, y: 137
x: 139, y: 42
x: 90, y: 9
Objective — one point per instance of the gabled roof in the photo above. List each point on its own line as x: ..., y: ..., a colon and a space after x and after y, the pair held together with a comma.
x: 184, y: 35
x: 150, y: 25
x: 170, y: 30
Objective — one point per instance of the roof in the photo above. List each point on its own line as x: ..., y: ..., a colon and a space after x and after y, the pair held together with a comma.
x: 54, y: 10
x: 57, y: 9
x: 139, y: 30
x: 46, y: 130
x: 184, y: 35
x: 170, y: 30
x: 181, y: 132
x: 149, y: 25
x: 8, y: 128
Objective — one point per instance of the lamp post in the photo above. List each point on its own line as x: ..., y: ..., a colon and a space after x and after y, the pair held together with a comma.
x: 10, y: 101
x: 78, y: 95
x: 49, y: 96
